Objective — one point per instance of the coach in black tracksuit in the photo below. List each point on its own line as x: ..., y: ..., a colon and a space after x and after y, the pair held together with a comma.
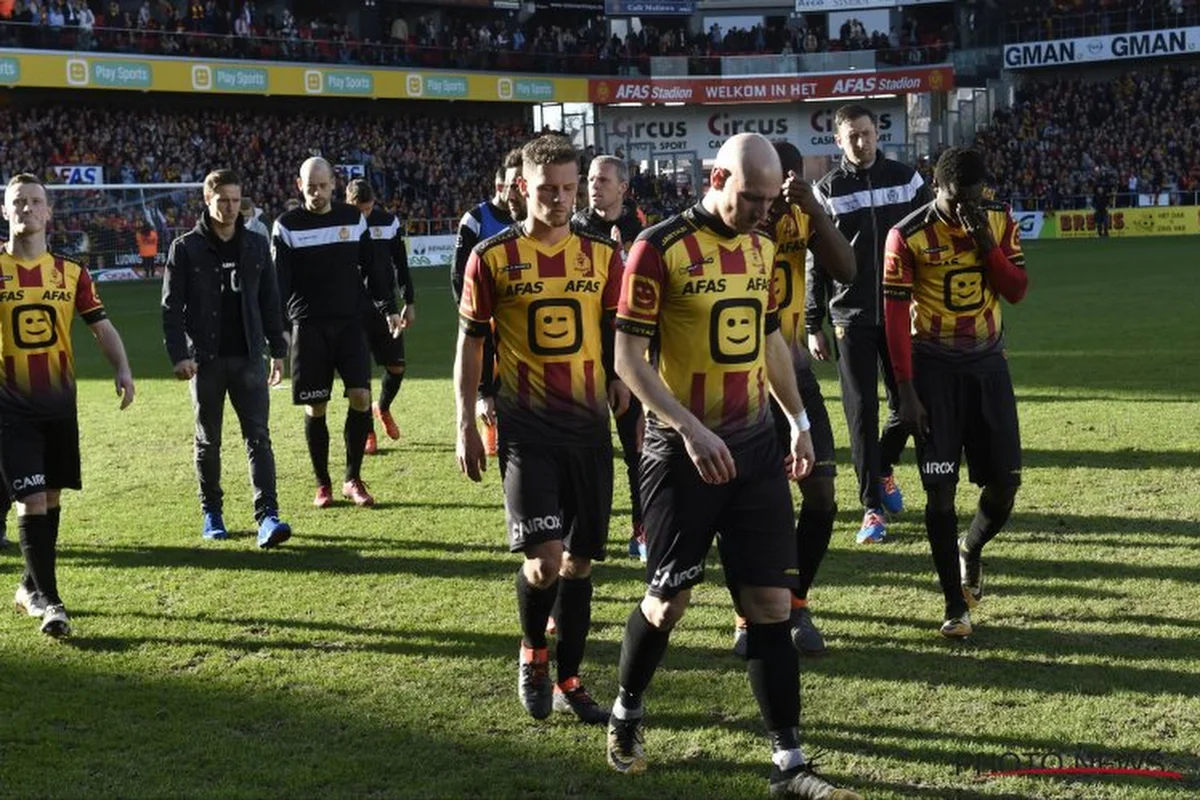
x: 865, y: 195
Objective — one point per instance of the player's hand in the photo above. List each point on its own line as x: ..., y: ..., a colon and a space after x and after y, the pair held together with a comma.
x: 185, y: 370
x: 485, y: 409
x: 711, y: 456
x: 472, y: 459
x: 912, y: 413
x: 408, y: 316
x: 801, y: 459
x: 276, y: 376
x: 818, y: 345
x: 124, y: 384
x: 618, y: 398
x: 975, y: 220
x: 799, y: 192
x: 395, y: 325
x: 615, y: 235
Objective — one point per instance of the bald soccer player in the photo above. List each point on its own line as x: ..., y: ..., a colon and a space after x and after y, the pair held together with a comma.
x: 323, y: 253
x: 701, y: 282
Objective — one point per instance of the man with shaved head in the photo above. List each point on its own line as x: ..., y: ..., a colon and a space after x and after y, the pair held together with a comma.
x: 701, y: 283
x: 322, y: 253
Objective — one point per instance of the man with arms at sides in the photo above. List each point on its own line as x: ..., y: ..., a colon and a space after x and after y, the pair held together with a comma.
x: 388, y: 350
x: 701, y: 282
x: 551, y: 292
x: 254, y: 222
x: 866, y: 194
x: 483, y: 222
x: 39, y: 426
x: 798, y: 225
x: 608, y: 182
x: 220, y: 311
x: 323, y: 253
x: 948, y: 265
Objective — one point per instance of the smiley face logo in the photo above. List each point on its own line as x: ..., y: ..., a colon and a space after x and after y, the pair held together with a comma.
x: 735, y: 330
x: 33, y: 327
x: 555, y: 327
x: 964, y: 289
x: 781, y: 284
x: 643, y: 295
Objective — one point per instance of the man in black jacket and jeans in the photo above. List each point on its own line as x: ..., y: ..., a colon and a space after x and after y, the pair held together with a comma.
x: 866, y: 194
x: 220, y: 303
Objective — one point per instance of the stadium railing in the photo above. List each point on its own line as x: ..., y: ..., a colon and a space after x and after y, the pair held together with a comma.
x: 1069, y: 26
x: 1119, y: 200
x: 392, y: 54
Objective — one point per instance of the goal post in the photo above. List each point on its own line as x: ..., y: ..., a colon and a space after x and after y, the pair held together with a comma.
x: 99, y: 224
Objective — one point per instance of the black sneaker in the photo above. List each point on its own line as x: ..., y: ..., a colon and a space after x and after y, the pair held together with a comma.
x: 805, y: 636
x: 625, y: 746
x: 533, y: 682
x: 570, y: 696
x: 803, y: 783
x: 972, y: 575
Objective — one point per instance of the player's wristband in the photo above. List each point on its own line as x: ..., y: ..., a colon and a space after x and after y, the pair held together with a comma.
x: 799, y: 422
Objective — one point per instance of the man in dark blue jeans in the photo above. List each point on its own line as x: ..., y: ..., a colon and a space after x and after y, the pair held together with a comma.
x: 220, y: 305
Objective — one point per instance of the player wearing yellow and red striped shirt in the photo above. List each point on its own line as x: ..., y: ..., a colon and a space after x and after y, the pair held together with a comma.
x: 701, y: 282
x: 40, y: 294
x: 945, y: 270
x: 551, y: 292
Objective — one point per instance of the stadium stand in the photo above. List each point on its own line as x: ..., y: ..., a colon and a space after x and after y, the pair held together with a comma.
x: 1031, y: 20
x: 450, y: 38
x: 1136, y: 135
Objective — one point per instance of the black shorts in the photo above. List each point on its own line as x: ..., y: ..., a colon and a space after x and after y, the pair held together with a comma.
x: 971, y: 408
x: 36, y: 455
x: 321, y: 346
x: 387, y: 350
x: 556, y: 492
x: 753, y: 514
x: 821, y: 431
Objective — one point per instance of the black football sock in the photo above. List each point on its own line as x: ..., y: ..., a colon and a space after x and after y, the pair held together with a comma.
x: 53, y: 515
x: 642, y: 650
x: 533, y: 608
x: 773, y: 666
x: 573, y: 615
x: 358, y: 427
x: 37, y: 547
x: 316, y: 433
x: 942, y: 529
x: 389, y: 387
x: 813, y: 531
x: 995, y: 507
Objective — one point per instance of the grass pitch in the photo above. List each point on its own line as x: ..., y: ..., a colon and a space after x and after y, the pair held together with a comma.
x: 373, y: 654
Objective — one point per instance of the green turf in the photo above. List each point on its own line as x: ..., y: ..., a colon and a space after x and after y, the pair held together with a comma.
x: 373, y: 655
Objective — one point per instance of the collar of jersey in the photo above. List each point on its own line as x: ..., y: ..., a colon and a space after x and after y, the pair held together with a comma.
x: 713, y: 223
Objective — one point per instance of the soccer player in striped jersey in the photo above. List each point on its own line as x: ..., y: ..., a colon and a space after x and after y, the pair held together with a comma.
x: 701, y: 282
x: 323, y: 253
x: 387, y: 349
x: 947, y: 266
x: 551, y: 292
x: 40, y: 294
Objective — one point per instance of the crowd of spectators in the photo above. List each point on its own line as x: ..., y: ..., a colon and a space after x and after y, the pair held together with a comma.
x: 1033, y: 20
x: 1063, y: 138
x: 428, y: 170
x: 449, y: 38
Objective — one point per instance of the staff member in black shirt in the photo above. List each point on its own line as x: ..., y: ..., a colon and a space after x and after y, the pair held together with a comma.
x: 323, y: 252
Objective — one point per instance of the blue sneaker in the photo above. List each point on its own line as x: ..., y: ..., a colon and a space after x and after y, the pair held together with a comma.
x: 874, y: 527
x: 637, y: 543
x: 214, y: 527
x: 893, y: 500
x: 273, y: 531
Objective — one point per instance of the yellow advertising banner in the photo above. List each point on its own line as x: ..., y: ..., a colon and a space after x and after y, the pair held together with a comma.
x: 1155, y: 221
x: 189, y: 76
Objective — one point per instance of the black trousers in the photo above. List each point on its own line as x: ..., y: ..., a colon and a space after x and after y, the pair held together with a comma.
x: 862, y: 356
x: 627, y: 429
x: 244, y: 379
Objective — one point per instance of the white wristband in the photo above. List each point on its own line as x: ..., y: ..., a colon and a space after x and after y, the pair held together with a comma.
x: 799, y: 421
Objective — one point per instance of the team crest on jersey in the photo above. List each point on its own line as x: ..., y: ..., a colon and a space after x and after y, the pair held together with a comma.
x: 789, y: 227
x: 757, y: 261
x: 56, y: 278
x: 891, y: 265
x: 583, y: 266
x: 344, y: 234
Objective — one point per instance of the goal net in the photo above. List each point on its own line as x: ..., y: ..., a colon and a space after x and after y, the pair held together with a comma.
x: 108, y: 226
